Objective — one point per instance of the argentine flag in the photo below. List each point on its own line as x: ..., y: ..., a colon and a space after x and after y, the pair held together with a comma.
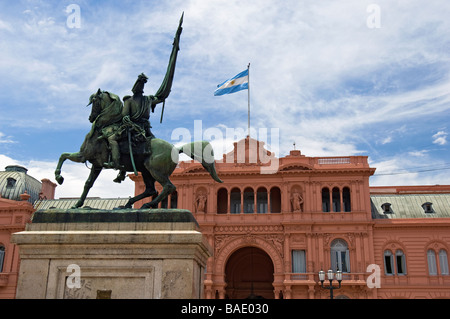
x: 235, y: 84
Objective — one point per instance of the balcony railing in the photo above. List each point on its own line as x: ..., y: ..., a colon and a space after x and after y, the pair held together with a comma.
x: 333, y: 160
x: 304, y: 278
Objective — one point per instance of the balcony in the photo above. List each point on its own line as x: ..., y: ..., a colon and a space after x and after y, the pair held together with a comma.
x: 285, y: 217
x: 348, y: 279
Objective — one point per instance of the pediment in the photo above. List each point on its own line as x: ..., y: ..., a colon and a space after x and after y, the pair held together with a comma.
x: 295, y: 167
x: 248, y: 151
x: 195, y: 169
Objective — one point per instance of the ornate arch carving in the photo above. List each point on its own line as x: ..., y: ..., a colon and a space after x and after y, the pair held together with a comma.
x: 272, y: 245
x: 296, y: 167
x: 393, y: 246
x: 436, y: 245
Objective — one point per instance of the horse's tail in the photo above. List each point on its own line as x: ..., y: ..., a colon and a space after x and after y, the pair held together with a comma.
x: 203, y: 153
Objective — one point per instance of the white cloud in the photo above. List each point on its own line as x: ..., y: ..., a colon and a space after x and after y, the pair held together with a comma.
x: 387, y: 140
x: 6, y: 161
x: 440, y: 138
x: 421, y: 153
x: 5, y: 26
x: 409, y: 169
x: 296, y: 59
x: 318, y: 72
x: 6, y: 139
x: 75, y: 175
x: 300, y: 65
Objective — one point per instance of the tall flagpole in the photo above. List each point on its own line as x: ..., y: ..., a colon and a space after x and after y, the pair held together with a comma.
x: 248, y: 67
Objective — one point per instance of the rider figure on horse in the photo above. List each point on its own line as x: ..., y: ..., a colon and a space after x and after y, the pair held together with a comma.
x: 136, y: 111
x: 110, y: 118
x: 135, y: 117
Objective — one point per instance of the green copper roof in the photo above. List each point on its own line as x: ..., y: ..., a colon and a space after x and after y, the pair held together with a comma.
x: 410, y: 206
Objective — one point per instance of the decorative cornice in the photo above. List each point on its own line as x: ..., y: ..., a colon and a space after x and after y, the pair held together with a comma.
x: 339, y: 171
x: 248, y: 229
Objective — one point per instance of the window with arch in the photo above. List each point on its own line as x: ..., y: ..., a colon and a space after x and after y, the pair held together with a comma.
x: 325, y: 200
x: 275, y: 200
x: 394, y: 263
x: 443, y: 262
x: 388, y: 263
x: 2, y: 257
x: 432, y: 266
x: 433, y: 269
x: 222, y: 201
x: 235, y: 201
x: 346, y: 201
x: 340, y: 256
x: 400, y: 260
x: 249, y: 201
x: 261, y: 201
x: 336, y: 198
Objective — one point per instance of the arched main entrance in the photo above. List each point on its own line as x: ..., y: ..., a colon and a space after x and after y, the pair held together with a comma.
x: 249, y: 274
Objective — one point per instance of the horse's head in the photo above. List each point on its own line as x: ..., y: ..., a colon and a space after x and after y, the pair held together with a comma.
x: 96, y: 101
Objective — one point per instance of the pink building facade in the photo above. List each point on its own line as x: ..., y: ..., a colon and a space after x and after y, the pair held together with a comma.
x: 272, y: 232
x: 18, y: 192
x: 13, y: 217
x: 276, y: 222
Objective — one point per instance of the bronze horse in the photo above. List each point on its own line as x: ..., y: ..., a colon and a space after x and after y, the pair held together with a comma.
x: 158, y: 166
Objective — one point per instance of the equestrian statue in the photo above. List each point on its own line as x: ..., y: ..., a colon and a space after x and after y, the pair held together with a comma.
x: 121, y: 139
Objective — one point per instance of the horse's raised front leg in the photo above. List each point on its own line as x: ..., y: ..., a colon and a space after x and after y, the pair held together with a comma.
x: 95, y: 171
x: 74, y: 157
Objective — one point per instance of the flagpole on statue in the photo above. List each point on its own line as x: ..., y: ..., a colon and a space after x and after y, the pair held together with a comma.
x: 248, y: 120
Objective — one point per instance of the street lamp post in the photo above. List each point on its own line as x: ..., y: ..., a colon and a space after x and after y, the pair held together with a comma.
x: 330, y: 276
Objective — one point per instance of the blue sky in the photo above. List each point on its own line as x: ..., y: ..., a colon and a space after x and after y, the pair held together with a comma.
x: 320, y: 72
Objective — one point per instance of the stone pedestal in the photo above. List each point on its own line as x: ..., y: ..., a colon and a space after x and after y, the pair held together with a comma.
x: 138, y: 254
